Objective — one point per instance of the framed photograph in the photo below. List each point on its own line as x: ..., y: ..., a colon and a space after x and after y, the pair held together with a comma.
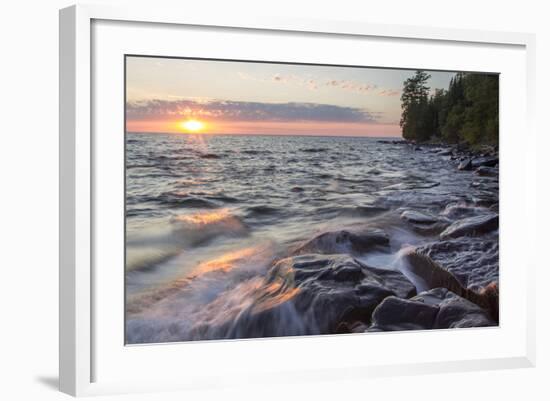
x: 348, y: 196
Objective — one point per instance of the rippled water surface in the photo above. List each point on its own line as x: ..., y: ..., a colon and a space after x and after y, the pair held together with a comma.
x: 208, y: 215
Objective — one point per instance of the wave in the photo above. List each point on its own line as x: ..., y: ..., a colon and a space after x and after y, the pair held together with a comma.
x: 362, y: 211
x: 209, y: 156
x: 262, y: 210
x: 256, y: 152
x: 146, y: 258
x: 142, y: 165
x: 186, y: 200
x: 198, y: 228
x: 402, y: 186
x: 186, y: 303
x: 221, y: 197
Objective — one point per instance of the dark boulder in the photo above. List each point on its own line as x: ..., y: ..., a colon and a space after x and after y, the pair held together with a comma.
x: 484, y: 162
x: 403, y: 314
x: 438, y: 308
x: 465, y: 165
x: 310, y: 294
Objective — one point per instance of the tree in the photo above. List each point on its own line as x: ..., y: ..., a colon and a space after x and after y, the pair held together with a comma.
x: 481, y: 111
x: 414, y: 106
x: 466, y: 112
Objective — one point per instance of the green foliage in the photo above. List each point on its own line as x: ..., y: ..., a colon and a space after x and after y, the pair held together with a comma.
x: 414, y: 106
x: 466, y: 112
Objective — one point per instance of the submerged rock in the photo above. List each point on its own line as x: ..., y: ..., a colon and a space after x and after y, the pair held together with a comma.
x: 418, y: 217
x: 487, y: 171
x: 438, y: 308
x: 472, y: 226
x: 345, y: 242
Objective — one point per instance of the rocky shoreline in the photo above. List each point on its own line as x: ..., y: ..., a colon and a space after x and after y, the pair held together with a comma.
x: 459, y: 271
x: 482, y: 160
x: 328, y: 289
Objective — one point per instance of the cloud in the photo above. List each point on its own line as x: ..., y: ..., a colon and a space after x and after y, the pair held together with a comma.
x: 313, y: 84
x: 228, y: 110
x: 353, y: 86
x: 389, y: 92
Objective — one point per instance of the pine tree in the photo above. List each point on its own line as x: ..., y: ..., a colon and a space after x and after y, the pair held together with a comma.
x: 466, y: 112
x: 414, y: 105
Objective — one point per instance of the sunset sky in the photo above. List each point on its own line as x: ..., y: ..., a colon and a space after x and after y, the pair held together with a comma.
x: 227, y: 97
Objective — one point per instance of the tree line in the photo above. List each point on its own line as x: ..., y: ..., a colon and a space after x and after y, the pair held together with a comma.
x: 466, y: 112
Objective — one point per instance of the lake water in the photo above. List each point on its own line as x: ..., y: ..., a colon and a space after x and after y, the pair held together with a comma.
x: 208, y: 215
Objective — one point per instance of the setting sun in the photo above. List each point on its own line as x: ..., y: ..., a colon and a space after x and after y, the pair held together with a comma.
x: 192, y: 125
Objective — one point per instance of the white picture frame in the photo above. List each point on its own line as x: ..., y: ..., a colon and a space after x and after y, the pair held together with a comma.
x: 79, y: 317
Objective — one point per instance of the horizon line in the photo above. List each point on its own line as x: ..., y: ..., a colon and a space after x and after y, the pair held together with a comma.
x: 258, y: 134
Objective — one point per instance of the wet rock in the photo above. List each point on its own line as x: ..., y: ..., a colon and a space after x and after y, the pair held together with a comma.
x: 430, y: 274
x: 393, y: 142
x: 460, y: 210
x: 418, y: 217
x: 484, y: 162
x: 345, y: 242
x: 486, y: 185
x: 487, y: 171
x: 438, y: 308
x: 473, y: 262
x: 465, y: 165
x: 485, y: 199
x: 457, y: 312
x: 471, y: 226
x: 403, y: 314
x: 311, y: 294
x: 318, y: 277
x: 445, y: 152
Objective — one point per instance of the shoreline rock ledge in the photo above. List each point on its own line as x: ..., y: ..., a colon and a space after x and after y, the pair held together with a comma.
x: 475, y: 225
x: 438, y: 308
